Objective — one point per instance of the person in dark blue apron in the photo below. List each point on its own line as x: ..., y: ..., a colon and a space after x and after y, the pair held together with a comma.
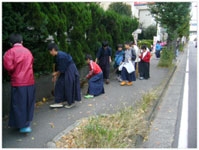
x: 104, y: 59
x: 67, y: 87
x: 18, y: 61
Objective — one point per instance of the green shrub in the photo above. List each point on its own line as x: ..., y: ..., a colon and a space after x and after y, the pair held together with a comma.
x: 181, y: 47
x: 148, y: 43
x: 166, y: 58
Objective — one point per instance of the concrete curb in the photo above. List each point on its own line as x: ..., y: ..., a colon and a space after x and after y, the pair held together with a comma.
x: 151, y: 116
x: 52, y: 144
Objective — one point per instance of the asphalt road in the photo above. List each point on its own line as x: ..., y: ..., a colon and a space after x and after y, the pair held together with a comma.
x: 192, y: 117
x: 186, y: 125
x: 48, y: 122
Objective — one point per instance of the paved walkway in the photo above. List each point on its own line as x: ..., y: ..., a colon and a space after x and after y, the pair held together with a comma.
x: 163, y: 128
x: 48, y: 123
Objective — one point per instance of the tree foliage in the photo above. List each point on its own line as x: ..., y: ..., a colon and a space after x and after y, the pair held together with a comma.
x: 173, y: 16
x: 148, y: 33
x: 76, y: 27
x: 121, y: 8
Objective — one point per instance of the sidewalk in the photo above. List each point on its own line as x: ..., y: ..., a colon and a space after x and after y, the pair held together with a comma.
x: 48, y: 123
x: 164, y: 126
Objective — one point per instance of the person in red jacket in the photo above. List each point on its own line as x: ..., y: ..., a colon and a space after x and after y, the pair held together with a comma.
x: 144, y: 64
x: 95, y: 78
x: 18, y: 61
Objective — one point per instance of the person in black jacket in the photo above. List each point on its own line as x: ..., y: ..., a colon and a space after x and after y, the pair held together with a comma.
x: 104, y: 59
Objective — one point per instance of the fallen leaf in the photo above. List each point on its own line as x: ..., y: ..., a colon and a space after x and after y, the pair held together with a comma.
x: 32, y: 138
x: 52, y: 125
x: 39, y: 103
x: 90, y: 105
x: 19, y: 140
x: 44, y: 99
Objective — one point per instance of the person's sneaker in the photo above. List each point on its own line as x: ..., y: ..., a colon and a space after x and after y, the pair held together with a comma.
x: 25, y: 130
x: 141, y: 78
x: 57, y: 105
x: 88, y: 96
x: 70, y: 106
x: 129, y: 83
x: 123, y: 83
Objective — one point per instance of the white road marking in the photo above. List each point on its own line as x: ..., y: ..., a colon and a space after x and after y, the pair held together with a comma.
x: 183, y: 132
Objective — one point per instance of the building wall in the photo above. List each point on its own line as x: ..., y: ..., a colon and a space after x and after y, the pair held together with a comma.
x: 143, y: 14
x: 145, y: 18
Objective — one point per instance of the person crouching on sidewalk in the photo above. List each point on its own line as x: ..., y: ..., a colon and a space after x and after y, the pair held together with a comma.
x: 144, y: 65
x: 95, y: 78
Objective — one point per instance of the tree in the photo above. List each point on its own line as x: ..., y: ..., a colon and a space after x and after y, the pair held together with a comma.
x: 149, y: 32
x: 121, y: 8
x: 172, y: 16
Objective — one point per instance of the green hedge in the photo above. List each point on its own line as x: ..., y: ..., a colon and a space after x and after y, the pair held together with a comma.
x: 77, y: 27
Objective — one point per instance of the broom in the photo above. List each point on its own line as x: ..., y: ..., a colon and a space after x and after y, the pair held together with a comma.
x: 83, y: 82
x: 52, y: 91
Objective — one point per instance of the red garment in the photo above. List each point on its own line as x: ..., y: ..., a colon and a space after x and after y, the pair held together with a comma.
x: 18, y: 61
x: 94, y: 69
x: 146, y: 58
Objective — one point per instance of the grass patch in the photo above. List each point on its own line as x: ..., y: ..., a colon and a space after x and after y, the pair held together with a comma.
x: 181, y: 47
x: 118, y: 130
x: 166, y: 59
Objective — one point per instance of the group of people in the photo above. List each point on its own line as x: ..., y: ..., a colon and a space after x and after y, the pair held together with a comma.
x: 130, y: 61
x: 18, y: 61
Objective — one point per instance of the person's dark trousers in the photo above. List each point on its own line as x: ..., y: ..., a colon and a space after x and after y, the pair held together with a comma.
x: 144, y: 70
x: 67, y: 87
x: 22, y: 106
x: 157, y: 53
x: 106, y: 71
x: 127, y: 76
